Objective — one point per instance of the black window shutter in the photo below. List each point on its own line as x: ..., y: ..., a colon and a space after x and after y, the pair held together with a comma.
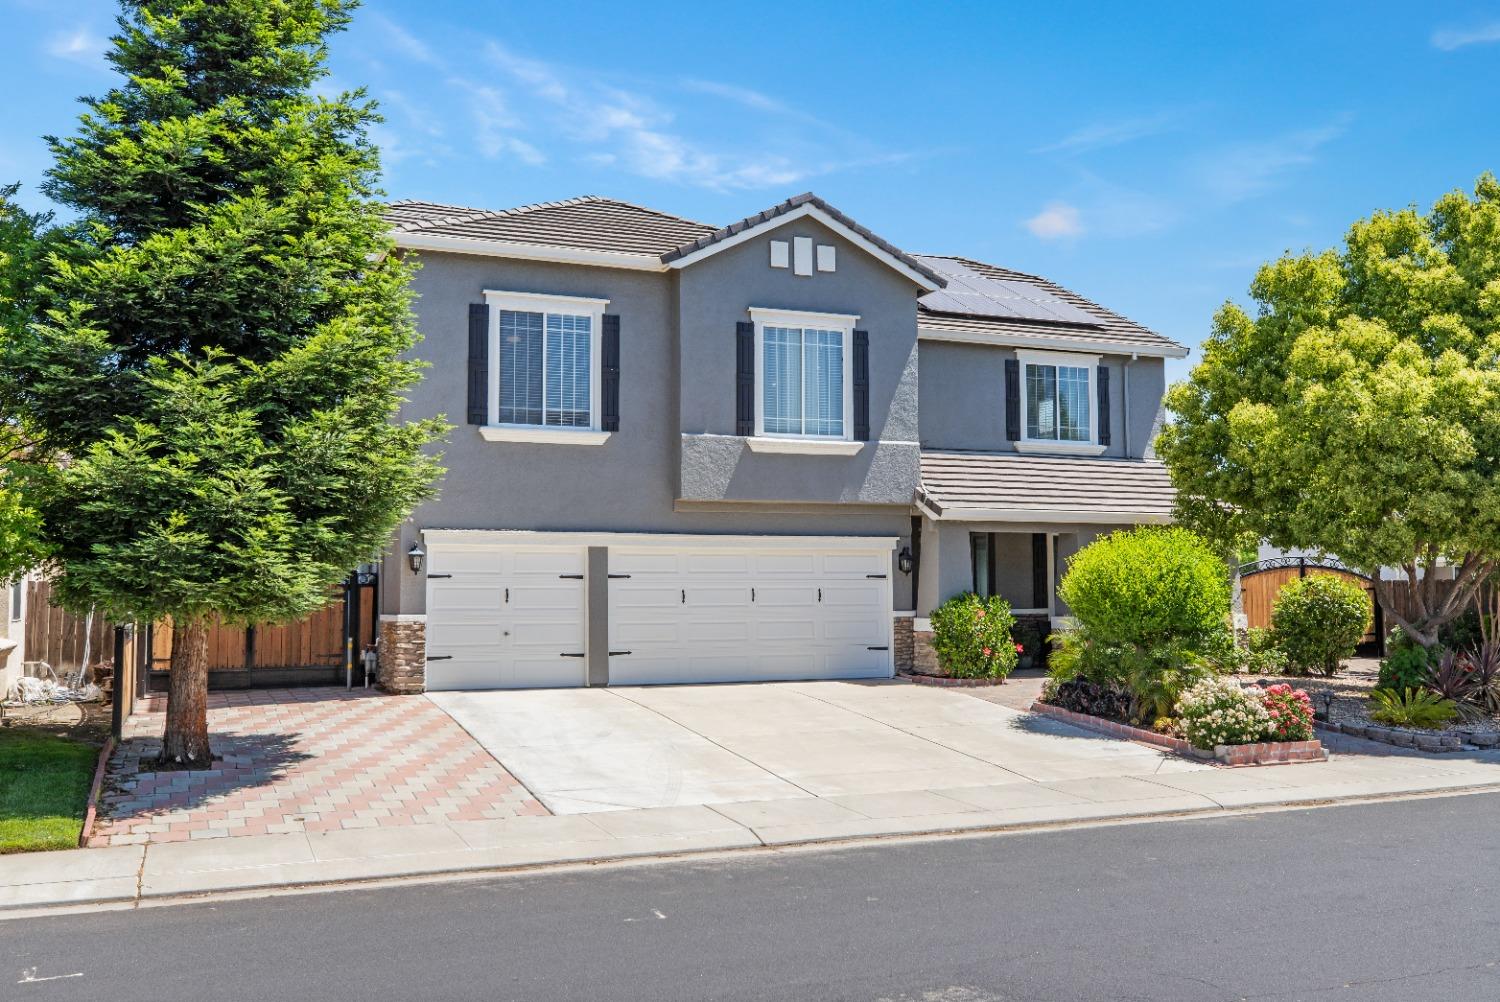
x: 1012, y: 400
x: 479, y: 372
x: 1103, y: 405
x: 609, y: 375
x: 1039, y: 597
x: 744, y: 374
x: 862, y: 385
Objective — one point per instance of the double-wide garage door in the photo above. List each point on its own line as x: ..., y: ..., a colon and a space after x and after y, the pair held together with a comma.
x: 705, y: 610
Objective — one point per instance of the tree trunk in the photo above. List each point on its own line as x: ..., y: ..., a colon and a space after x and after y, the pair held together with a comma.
x: 184, y: 743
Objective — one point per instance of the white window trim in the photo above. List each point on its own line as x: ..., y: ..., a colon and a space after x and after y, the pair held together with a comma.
x: 544, y: 303
x: 841, y: 322
x: 1089, y: 363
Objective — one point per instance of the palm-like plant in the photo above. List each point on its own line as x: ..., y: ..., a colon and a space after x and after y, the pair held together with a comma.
x: 1485, y: 657
x: 1452, y: 678
x: 1412, y: 708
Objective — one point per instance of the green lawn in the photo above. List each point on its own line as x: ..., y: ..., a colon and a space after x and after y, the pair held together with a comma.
x: 44, y: 790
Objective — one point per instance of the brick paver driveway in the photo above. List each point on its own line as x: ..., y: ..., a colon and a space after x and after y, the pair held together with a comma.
x: 311, y: 760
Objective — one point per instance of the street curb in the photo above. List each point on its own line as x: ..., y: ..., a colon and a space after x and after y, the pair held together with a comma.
x: 93, y: 804
x: 442, y: 873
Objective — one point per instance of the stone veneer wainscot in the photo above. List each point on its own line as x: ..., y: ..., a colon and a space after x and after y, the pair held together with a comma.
x: 402, y: 666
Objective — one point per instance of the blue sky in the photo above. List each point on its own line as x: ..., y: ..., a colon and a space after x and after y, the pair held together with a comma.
x: 1149, y: 158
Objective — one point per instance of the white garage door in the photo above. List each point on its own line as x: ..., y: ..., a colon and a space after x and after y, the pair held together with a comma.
x: 505, y: 617
x: 732, y: 614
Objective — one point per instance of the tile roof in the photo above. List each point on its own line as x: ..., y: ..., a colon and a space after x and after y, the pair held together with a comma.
x: 1027, y: 486
x: 796, y: 202
x: 588, y: 223
x: 1107, y: 328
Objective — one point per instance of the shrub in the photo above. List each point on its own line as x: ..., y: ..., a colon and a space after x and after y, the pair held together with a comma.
x: 1147, y: 586
x: 971, y: 636
x: 1452, y: 678
x: 1406, y: 662
x: 1097, y: 699
x: 1217, y: 711
x: 1290, y: 710
x: 1262, y: 655
x: 1318, y: 620
x: 1412, y: 708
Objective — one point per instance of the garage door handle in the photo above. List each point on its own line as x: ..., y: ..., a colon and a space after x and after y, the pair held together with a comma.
x: 565, y: 655
x: 572, y: 577
x: 615, y: 654
x: 440, y: 657
x: 877, y: 648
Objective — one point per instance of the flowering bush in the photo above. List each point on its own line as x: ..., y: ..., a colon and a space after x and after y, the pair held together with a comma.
x: 1290, y: 710
x: 971, y: 636
x: 1217, y: 711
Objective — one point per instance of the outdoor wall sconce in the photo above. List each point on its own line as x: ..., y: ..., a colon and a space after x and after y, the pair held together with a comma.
x: 904, y: 560
x: 415, y: 556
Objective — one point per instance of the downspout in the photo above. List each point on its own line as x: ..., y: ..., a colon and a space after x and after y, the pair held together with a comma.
x: 1125, y: 401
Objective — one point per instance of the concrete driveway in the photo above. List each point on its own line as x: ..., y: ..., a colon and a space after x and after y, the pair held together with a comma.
x: 588, y: 750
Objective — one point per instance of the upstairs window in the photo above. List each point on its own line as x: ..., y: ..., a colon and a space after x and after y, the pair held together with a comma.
x: 1058, y: 390
x: 805, y: 363
x: 545, y: 353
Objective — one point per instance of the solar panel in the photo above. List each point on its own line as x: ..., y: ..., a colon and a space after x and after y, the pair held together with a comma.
x: 968, y: 292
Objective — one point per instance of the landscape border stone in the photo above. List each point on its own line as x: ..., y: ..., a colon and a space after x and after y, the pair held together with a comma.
x: 1437, y: 742
x: 949, y: 682
x: 1234, y: 756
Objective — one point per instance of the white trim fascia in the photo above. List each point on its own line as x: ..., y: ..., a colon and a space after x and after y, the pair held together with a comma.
x: 1049, y: 343
x: 543, y: 434
x: 529, y: 252
x: 926, y: 509
x: 1044, y: 447
x: 1046, y: 515
x: 529, y: 537
x: 780, y: 317
x: 801, y: 212
x: 534, y: 301
x: 803, y: 446
x: 1072, y: 359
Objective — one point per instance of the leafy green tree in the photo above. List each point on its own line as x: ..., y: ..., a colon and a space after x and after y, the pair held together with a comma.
x: 1354, y: 412
x: 220, y: 347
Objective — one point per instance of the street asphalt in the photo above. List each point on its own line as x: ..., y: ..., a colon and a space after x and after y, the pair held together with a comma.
x: 1391, y: 901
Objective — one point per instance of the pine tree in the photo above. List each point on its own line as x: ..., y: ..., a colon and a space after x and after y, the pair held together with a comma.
x: 215, y: 365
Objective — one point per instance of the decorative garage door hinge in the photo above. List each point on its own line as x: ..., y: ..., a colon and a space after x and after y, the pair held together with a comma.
x: 440, y: 657
x: 430, y: 576
x: 567, y: 655
x: 573, y: 577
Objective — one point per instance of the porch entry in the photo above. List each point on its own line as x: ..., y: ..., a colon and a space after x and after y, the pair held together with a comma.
x: 1016, y: 566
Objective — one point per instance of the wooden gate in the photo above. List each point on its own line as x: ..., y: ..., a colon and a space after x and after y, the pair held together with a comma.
x: 1263, y: 580
x: 304, y: 651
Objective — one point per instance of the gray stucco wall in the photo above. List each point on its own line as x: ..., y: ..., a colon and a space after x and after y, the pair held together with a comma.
x: 963, y: 398
x: 631, y: 482
x: 716, y: 293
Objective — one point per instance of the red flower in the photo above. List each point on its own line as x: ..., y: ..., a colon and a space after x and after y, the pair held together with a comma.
x: 987, y: 652
x: 979, y: 614
x: 1020, y: 649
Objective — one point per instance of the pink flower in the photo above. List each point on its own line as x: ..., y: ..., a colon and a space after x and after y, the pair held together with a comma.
x: 987, y: 652
x: 979, y: 614
x: 1019, y: 649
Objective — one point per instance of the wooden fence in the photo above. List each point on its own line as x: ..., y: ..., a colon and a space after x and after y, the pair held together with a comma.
x: 60, y: 638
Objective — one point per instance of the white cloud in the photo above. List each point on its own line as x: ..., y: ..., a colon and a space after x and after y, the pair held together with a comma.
x: 1099, y: 135
x: 403, y: 42
x: 1056, y: 221
x: 495, y: 125
x: 1449, y: 39
x: 1245, y: 170
x: 78, y: 46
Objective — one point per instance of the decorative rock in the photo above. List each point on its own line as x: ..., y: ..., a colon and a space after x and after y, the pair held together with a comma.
x: 1484, y: 739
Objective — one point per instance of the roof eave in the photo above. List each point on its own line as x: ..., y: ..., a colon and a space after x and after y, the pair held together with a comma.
x: 1079, y: 342
x: 527, y: 252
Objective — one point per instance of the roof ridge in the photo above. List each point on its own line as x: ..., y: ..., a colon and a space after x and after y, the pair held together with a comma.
x: 468, y: 215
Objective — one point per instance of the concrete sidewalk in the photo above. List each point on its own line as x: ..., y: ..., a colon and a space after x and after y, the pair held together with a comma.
x: 138, y: 873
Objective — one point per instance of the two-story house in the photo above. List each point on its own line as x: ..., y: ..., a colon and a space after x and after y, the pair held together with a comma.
x: 687, y: 453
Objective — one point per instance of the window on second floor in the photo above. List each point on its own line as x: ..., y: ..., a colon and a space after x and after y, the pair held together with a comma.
x: 1058, y: 390
x: 805, y: 362
x: 544, y: 353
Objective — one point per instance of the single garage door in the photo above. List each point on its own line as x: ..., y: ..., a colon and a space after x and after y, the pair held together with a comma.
x: 505, y: 617
x: 720, y: 613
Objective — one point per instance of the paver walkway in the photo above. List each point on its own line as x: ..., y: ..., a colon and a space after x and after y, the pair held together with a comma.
x: 306, y: 760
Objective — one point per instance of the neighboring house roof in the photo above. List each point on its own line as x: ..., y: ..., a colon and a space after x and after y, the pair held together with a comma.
x: 805, y: 204
x: 987, y: 304
x: 1011, y: 487
x: 569, y: 230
